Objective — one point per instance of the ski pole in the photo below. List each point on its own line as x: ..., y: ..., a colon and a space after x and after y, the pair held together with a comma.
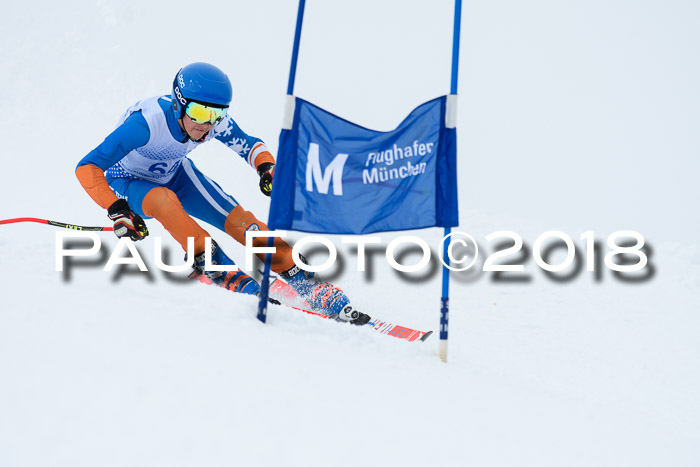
x: 56, y: 224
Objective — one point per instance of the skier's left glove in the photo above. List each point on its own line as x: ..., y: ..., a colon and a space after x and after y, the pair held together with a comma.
x: 126, y: 222
x: 266, y: 170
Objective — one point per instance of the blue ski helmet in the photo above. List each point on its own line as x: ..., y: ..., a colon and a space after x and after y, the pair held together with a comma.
x: 203, y: 83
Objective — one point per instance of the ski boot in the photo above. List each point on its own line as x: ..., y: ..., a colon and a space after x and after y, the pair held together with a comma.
x: 324, y: 297
x: 352, y: 316
x: 236, y: 281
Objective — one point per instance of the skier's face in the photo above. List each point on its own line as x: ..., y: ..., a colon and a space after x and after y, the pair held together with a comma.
x: 196, y: 131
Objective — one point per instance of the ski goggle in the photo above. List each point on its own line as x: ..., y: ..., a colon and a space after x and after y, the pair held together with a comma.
x: 201, y: 113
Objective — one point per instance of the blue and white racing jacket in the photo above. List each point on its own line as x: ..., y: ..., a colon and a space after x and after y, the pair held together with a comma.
x: 148, y: 144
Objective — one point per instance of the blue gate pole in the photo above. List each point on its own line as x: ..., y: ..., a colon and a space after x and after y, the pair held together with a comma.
x: 295, y: 50
x: 445, y: 299
x: 265, y: 284
x: 455, y: 46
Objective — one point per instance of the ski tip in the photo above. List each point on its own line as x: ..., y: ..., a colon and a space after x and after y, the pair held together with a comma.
x: 426, y: 335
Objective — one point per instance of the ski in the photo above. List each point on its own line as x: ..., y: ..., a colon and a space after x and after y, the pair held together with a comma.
x: 287, y: 296
x: 282, y: 292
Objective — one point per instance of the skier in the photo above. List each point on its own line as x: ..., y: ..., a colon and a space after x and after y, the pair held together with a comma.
x: 141, y: 170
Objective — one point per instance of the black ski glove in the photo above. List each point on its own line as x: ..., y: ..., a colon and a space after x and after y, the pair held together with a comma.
x: 266, y: 170
x: 126, y: 222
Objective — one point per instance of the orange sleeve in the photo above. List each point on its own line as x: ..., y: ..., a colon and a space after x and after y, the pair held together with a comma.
x: 93, y: 180
x: 263, y: 157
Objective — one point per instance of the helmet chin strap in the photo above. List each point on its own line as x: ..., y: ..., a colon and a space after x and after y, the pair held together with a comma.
x: 180, y: 121
x: 201, y: 140
x: 187, y: 135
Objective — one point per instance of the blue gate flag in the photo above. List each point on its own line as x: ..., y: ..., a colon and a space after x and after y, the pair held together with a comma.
x: 335, y: 177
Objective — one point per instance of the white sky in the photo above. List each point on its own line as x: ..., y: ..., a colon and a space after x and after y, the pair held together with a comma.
x: 581, y: 114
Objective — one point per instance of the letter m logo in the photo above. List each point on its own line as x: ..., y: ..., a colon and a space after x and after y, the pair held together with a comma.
x: 333, y: 172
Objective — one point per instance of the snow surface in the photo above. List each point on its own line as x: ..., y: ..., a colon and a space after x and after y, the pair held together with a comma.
x: 573, y: 116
